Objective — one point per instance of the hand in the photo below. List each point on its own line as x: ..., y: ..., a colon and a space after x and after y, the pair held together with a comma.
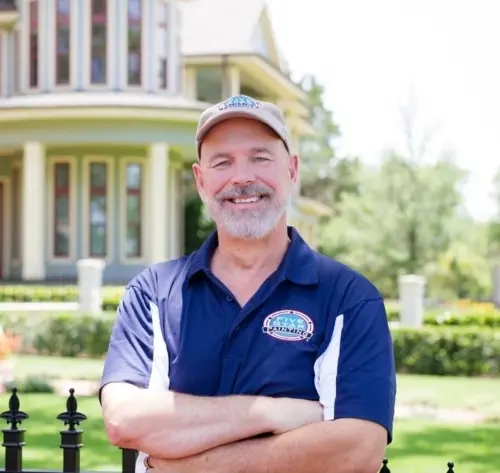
x: 289, y: 414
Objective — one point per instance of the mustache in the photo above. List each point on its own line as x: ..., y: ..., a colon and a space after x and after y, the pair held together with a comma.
x: 244, y: 191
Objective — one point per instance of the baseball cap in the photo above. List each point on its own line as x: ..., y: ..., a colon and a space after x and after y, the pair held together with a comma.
x: 243, y: 106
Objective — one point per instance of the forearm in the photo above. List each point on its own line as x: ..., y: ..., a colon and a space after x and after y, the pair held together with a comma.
x: 316, y: 448
x: 171, y: 425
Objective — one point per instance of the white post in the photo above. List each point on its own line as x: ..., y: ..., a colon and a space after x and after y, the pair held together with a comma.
x: 495, y: 297
x: 411, y: 300
x: 158, y: 184
x: 33, y: 212
x: 90, y: 285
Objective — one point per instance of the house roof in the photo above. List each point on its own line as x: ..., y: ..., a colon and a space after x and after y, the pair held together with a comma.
x: 216, y: 27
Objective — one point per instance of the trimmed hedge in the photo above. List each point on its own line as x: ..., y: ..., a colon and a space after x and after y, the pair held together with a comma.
x: 431, y: 350
x: 22, y: 293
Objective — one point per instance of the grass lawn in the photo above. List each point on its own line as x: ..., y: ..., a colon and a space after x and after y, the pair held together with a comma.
x: 418, y: 447
x: 478, y: 394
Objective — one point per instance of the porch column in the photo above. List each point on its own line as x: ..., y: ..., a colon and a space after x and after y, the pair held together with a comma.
x: 174, y: 224
x: 33, y: 212
x: 158, y: 183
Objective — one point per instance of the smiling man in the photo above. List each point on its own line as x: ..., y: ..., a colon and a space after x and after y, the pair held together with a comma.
x: 254, y: 354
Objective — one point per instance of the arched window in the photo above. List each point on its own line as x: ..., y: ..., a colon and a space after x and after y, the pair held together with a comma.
x: 134, y: 57
x: 63, y: 42
x: 98, y: 42
x: 33, y: 43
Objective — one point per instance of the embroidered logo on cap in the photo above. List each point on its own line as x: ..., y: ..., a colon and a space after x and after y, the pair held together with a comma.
x: 239, y: 101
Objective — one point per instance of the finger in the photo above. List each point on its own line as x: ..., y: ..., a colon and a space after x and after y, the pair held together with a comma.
x: 147, y: 463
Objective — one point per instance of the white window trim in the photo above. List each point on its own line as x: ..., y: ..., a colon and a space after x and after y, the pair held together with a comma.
x: 111, y: 47
x: 25, y: 47
x: 145, y: 220
x: 147, y: 50
x: 16, y: 262
x: 110, y: 161
x: 7, y: 227
x: 73, y: 182
x: 73, y: 47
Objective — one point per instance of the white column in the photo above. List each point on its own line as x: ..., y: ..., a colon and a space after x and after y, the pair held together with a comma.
x: 33, y: 212
x: 411, y: 300
x: 158, y: 184
x: 174, y: 227
x: 234, y: 81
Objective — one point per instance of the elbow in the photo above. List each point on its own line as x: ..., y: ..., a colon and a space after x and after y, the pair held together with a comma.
x: 117, y: 428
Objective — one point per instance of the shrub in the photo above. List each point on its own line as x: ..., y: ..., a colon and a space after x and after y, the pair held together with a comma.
x: 447, y: 351
x: 22, y: 293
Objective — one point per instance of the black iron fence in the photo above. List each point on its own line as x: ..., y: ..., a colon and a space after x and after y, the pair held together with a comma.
x: 71, y: 440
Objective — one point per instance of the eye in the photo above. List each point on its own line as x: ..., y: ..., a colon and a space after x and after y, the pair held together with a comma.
x: 221, y: 164
x: 260, y: 159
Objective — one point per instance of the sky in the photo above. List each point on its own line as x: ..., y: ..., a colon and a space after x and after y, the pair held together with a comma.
x: 371, y: 56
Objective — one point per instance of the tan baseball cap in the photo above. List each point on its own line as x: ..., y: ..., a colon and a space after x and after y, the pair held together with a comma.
x: 242, y: 106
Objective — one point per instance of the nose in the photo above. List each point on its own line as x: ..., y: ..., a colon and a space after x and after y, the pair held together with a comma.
x: 243, y: 174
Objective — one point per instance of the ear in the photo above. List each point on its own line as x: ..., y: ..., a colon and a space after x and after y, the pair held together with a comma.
x: 293, y: 167
x: 198, y: 176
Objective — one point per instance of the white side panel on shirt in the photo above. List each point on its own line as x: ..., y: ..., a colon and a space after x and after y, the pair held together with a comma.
x: 159, y: 379
x: 326, y: 369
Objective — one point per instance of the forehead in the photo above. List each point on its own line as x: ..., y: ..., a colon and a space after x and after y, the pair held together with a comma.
x: 239, y: 132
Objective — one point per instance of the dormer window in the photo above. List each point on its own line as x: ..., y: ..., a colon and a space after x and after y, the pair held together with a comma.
x: 33, y: 42
x: 98, y: 42
x: 63, y: 42
x: 134, y: 29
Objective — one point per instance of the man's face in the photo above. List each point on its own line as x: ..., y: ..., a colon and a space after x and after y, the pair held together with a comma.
x: 245, y: 177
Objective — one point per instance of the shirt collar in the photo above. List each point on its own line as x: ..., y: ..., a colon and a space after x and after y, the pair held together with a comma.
x: 299, y: 264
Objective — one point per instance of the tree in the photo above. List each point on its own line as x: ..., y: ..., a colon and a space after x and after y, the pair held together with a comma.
x: 324, y: 175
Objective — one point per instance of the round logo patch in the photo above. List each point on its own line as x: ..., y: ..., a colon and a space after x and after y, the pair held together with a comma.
x: 289, y: 325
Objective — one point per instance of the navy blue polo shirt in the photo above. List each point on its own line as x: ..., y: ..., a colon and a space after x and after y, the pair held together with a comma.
x: 314, y: 330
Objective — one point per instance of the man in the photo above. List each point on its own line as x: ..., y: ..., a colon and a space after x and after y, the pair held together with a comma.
x: 254, y: 354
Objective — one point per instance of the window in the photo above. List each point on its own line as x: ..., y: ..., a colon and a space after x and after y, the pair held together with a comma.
x: 133, y: 209
x: 209, y: 82
x: 62, y: 217
x: 2, y: 67
x: 33, y: 43
x: 15, y: 77
x: 62, y: 42
x: 134, y: 59
x: 162, y: 43
x: 98, y: 45
x: 98, y: 209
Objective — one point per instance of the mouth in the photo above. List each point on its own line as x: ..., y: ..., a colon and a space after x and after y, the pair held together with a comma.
x: 247, y: 200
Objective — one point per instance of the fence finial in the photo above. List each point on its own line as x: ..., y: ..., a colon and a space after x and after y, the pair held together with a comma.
x: 385, y: 468
x: 14, y: 416
x: 71, y: 417
x: 451, y: 467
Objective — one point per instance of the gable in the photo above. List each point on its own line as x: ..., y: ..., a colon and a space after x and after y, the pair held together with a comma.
x: 263, y: 40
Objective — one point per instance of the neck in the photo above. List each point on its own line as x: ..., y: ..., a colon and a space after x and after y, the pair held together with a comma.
x: 252, y: 255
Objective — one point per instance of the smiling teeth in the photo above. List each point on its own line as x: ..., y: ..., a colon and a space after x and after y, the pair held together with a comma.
x: 249, y: 200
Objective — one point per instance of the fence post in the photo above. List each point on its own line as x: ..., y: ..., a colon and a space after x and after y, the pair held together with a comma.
x: 451, y: 467
x: 13, y: 437
x: 71, y: 439
x: 129, y: 459
x: 90, y: 285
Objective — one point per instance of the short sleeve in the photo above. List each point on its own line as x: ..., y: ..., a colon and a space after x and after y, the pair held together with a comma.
x: 355, y: 375
x: 130, y: 353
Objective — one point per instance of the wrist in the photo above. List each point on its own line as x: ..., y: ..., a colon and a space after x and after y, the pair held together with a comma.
x: 264, y: 411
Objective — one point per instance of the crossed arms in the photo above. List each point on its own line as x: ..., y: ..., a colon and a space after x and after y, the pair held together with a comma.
x: 184, y: 433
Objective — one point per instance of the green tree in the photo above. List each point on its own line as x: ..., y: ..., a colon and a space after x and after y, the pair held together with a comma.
x: 401, y: 220
x: 324, y: 175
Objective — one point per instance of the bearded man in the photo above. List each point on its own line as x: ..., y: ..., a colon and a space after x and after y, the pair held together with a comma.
x: 254, y: 354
